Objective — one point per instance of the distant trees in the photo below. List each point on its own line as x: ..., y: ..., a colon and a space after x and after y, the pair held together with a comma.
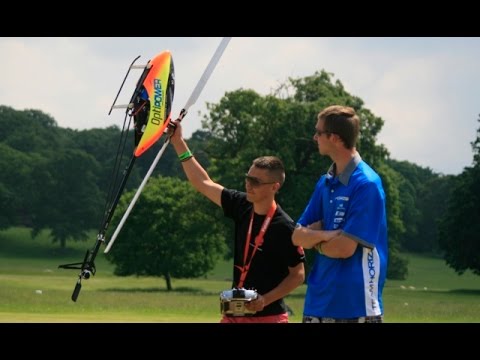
x: 397, y: 265
x: 423, y: 199
x: 25, y: 139
x: 57, y: 178
x: 67, y: 199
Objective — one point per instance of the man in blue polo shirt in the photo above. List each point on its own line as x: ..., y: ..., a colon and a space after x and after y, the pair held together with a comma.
x: 345, y: 221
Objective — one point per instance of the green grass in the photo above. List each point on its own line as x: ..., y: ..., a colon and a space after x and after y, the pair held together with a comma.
x: 432, y: 293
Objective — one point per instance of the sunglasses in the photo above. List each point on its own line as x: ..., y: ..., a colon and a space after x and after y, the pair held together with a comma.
x: 253, y: 181
x: 321, y: 132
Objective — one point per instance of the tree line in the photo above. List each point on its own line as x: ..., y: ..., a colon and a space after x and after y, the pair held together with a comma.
x: 56, y: 178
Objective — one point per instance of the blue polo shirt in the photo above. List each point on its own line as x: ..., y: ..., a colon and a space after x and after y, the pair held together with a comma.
x: 354, y: 202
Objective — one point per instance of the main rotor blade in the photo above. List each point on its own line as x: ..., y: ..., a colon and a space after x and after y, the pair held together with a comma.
x: 206, y: 74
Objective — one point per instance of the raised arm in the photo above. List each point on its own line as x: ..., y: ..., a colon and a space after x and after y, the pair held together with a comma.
x: 196, y: 174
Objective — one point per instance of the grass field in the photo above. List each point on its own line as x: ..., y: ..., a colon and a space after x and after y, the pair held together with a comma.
x: 33, y: 289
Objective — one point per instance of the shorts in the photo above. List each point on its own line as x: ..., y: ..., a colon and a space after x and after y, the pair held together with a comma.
x: 280, y: 318
x: 363, y: 319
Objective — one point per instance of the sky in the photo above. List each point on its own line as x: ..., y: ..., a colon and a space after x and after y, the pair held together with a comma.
x: 427, y: 90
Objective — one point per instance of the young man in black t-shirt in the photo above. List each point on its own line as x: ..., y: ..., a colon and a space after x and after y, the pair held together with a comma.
x: 264, y: 257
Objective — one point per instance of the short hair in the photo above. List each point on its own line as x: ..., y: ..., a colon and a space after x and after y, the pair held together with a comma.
x: 343, y: 121
x: 273, y: 165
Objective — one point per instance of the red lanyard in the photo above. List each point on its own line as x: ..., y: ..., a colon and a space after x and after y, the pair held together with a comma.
x: 258, y: 242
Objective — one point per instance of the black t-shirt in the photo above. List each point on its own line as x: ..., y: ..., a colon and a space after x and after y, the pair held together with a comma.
x: 271, y: 260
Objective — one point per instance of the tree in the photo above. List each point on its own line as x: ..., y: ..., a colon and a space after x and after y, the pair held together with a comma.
x: 459, y: 229
x: 172, y: 232
x: 245, y: 125
x: 423, y: 202
x: 67, y: 199
x: 15, y: 186
x: 476, y: 147
x: 432, y: 205
x: 29, y: 130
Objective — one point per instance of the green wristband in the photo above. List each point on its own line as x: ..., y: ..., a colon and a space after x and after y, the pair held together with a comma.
x: 186, y: 155
x: 187, y: 158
